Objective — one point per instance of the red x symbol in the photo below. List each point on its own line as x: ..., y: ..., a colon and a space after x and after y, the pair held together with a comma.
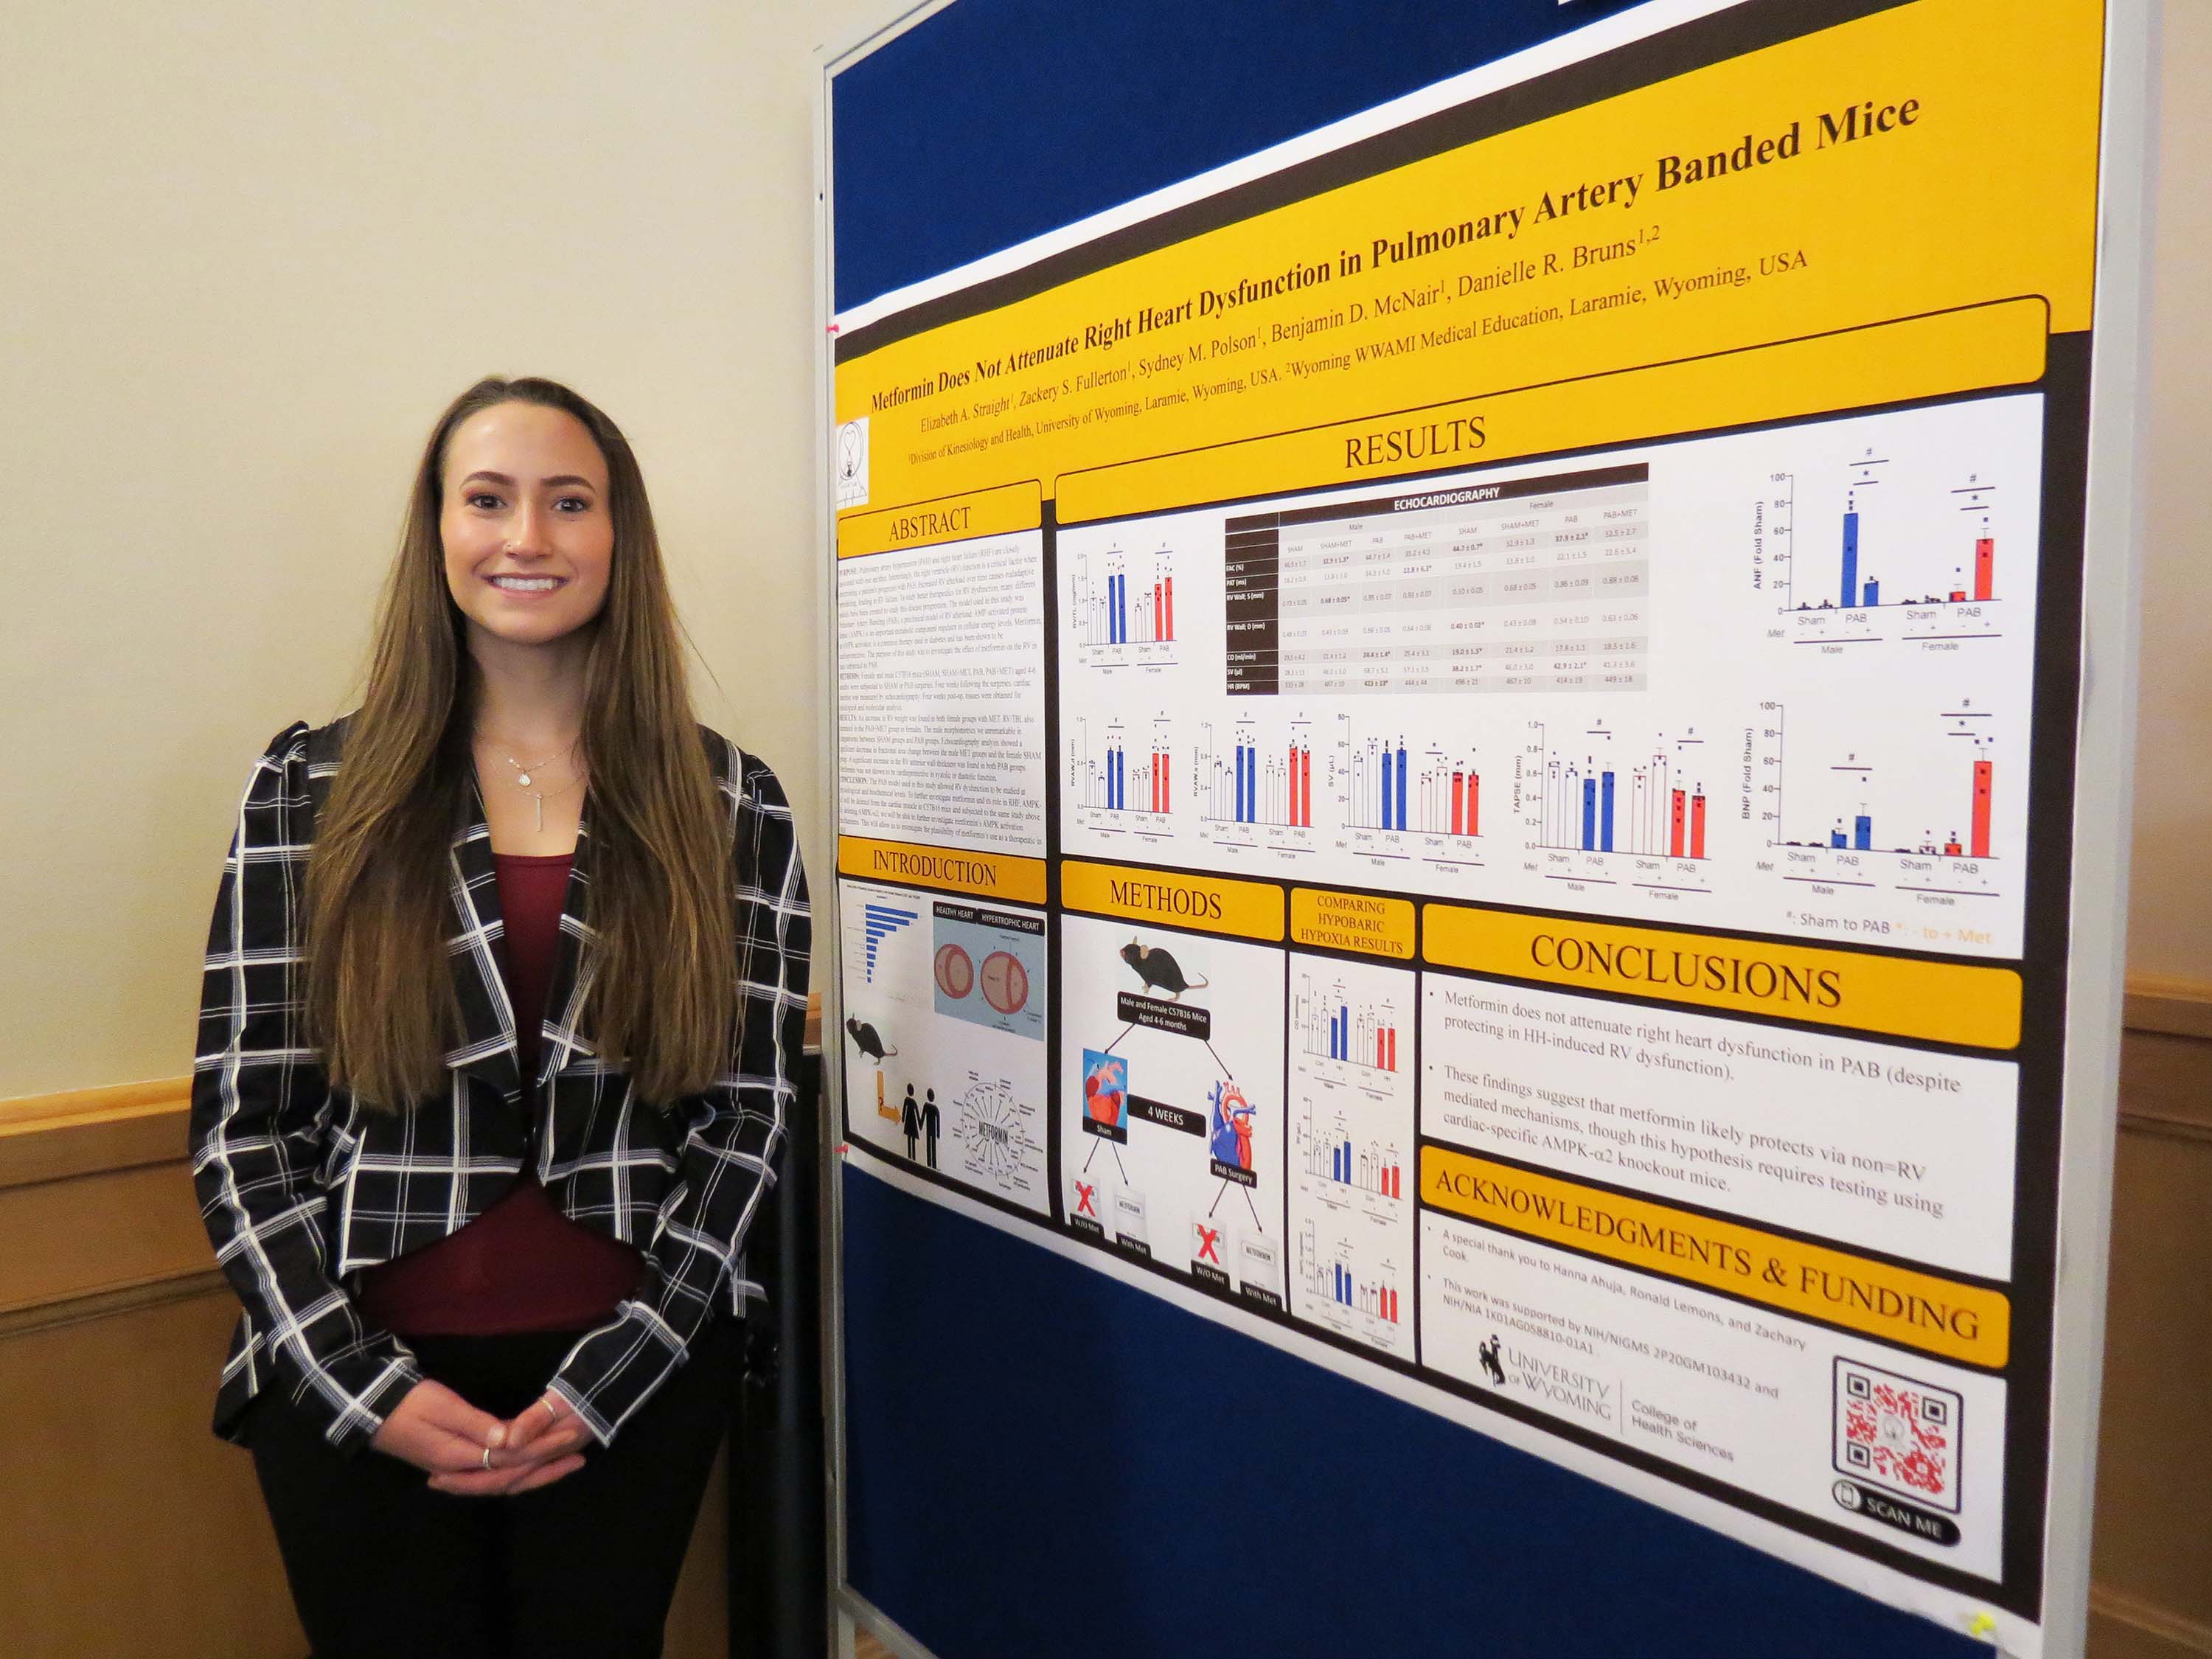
x: 1083, y: 1196
x: 1207, y: 1238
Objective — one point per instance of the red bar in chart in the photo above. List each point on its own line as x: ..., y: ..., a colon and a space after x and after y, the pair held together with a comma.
x: 1952, y: 850
x: 1698, y: 825
x: 1674, y: 837
x: 1983, y: 777
x: 1459, y: 807
x: 1168, y: 591
x: 1473, y: 803
x: 1305, y: 786
x: 1985, y: 567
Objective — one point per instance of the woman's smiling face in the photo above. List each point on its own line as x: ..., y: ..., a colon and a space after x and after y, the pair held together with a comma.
x: 528, y: 538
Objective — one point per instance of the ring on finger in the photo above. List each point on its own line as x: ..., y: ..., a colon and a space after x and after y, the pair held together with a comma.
x: 551, y: 1412
x: 487, y: 1458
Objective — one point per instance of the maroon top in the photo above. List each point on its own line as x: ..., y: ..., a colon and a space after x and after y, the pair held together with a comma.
x: 520, y: 1266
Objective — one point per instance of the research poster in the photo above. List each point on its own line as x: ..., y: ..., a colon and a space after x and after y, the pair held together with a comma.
x: 1458, y: 747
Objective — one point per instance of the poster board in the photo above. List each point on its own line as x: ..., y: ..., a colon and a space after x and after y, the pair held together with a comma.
x: 1460, y: 749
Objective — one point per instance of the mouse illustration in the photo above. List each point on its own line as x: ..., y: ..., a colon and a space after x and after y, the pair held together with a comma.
x: 1156, y: 967
x: 865, y: 1035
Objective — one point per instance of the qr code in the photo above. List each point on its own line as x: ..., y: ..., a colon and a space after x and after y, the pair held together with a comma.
x: 1897, y: 1433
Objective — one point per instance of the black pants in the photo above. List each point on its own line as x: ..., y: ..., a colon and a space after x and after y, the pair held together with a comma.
x: 381, y: 1567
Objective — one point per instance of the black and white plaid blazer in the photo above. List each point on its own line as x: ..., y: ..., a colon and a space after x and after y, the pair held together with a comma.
x: 301, y: 1187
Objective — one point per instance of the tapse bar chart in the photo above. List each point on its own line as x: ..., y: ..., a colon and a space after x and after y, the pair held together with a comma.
x: 1654, y: 805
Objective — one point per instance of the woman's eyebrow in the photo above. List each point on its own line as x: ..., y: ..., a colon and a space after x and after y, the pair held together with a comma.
x: 564, y: 479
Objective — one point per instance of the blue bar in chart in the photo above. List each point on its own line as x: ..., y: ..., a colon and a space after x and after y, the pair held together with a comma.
x: 1850, y: 560
x: 880, y: 921
x: 1605, y: 819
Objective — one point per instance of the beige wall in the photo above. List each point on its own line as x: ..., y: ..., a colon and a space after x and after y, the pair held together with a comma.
x: 2170, y: 915
x: 246, y: 253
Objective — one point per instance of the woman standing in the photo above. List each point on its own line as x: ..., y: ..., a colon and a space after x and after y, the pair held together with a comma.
x: 503, y: 993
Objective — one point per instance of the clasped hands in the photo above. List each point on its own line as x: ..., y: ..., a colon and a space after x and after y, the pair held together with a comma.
x: 440, y: 1433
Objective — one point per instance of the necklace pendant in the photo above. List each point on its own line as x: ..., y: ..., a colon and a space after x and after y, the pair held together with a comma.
x: 524, y: 780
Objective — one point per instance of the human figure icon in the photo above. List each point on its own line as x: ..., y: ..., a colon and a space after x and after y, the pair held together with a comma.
x: 929, y: 1122
x: 910, y: 1121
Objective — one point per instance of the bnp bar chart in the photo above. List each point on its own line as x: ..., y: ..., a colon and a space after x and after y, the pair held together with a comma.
x: 1251, y: 780
x: 1866, y: 801
x: 1653, y: 805
x: 1120, y: 600
x: 1122, y: 774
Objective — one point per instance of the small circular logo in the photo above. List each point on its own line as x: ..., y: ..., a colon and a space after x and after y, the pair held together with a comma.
x: 1847, y: 1495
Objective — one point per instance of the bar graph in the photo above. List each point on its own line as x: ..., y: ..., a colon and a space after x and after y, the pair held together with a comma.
x: 1123, y: 599
x: 1933, y: 804
x: 1333, y: 1023
x: 1246, y: 778
x: 1894, y: 545
x: 1329, y: 1152
x: 878, y: 922
x: 1652, y: 804
x: 1329, y: 1278
x: 1391, y: 785
x: 1123, y: 773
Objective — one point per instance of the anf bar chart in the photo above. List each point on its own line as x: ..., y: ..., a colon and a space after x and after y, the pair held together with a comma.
x: 1251, y: 785
x: 1857, y: 589
x: 1651, y: 808
x: 1116, y: 608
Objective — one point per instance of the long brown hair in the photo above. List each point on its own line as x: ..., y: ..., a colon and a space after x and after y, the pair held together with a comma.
x: 379, y: 997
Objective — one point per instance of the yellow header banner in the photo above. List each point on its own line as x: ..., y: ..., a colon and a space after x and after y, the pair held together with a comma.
x: 955, y: 518
x: 1210, y: 904
x: 1935, y: 1002
x: 1914, y: 1309
x: 1862, y: 173
x: 998, y: 875
x: 1998, y: 344
x: 1352, y: 921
